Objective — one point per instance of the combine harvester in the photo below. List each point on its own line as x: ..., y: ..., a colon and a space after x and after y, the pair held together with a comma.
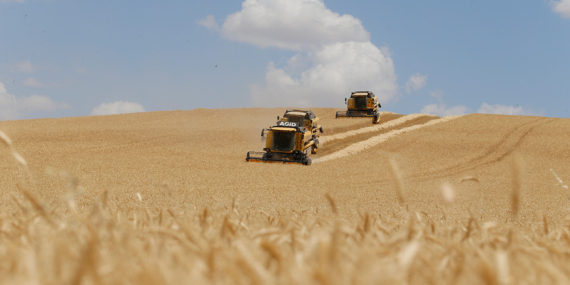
x: 361, y: 104
x: 291, y: 140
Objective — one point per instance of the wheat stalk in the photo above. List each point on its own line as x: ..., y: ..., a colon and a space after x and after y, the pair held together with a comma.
x: 398, y: 181
x: 447, y: 194
x: 332, y: 203
x: 516, y: 166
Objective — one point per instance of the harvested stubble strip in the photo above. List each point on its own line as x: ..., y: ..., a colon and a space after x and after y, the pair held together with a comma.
x: 375, y: 128
x: 360, y: 146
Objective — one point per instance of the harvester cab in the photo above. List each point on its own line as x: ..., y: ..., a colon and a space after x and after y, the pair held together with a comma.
x: 361, y: 104
x: 301, y: 118
x: 292, y: 140
x: 306, y: 119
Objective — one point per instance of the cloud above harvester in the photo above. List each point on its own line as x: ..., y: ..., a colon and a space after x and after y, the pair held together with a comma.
x: 416, y: 82
x: 561, y: 7
x: 334, y: 53
x: 442, y: 110
x: 209, y: 22
x: 335, y: 70
x: 497, y: 109
x: 30, y: 81
x: 13, y: 108
x: 298, y: 25
x: 118, y: 107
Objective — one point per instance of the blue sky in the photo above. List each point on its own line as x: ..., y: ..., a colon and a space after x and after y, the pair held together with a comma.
x: 79, y: 58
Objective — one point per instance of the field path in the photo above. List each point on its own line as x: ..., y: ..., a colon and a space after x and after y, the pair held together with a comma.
x: 494, y: 153
x: 416, y: 121
x: 387, y: 123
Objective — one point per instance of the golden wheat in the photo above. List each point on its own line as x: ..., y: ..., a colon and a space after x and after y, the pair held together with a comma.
x: 158, y: 198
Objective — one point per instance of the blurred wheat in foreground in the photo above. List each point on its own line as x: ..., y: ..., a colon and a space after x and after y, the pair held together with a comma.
x: 103, y: 244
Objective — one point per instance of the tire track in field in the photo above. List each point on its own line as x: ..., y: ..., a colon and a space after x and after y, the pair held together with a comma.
x: 388, y: 122
x: 495, y: 153
x: 375, y: 140
x: 337, y: 142
x: 375, y: 128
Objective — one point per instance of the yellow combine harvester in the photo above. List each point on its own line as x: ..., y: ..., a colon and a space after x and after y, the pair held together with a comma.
x: 361, y: 104
x: 292, y: 140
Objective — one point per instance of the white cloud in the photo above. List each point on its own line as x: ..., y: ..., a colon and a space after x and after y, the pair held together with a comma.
x: 416, y: 82
x: 506, y: 110
x: 209, y: 22
x: 442, y: 110
x: 437, y: 94
x: 24, y: 66
x: 291, y: 24
x: 336, y: 70
x: 335, y: 53
x: 34, y: 82
x: 40, y: 103
x: 82, y: 70
x: 118, y: 107
x: 561, y: 7
x: 12, y: 107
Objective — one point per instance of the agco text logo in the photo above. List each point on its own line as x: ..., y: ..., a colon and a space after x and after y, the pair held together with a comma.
x: 287, y: 124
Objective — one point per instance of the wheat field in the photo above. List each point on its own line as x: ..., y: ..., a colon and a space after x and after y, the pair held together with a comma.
x: 167, y: 198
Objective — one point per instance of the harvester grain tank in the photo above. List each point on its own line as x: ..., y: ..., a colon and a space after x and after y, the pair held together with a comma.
x: 303, y: 118
x: 361, y: 104
x: 292, y: 140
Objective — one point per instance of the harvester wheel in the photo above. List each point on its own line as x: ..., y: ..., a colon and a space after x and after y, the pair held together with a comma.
x: 376, y: 118
x: 315, y: 147
x: 321, y: 128
x: 308, y: 161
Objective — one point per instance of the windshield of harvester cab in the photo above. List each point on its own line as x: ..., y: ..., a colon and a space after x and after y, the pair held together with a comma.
x: 360, y: 101
x: 283, y: 141
x: 297, y: 119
